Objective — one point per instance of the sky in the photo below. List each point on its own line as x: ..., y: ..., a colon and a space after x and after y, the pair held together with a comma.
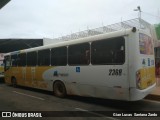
x: 55, y: 18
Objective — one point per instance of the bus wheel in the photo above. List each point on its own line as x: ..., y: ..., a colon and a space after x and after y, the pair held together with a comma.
x: 59, y: 89
x: 14, y: 82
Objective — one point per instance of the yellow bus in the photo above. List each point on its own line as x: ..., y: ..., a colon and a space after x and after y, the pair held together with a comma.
x: 117, y: 65
x: 1, y: 65
x: 1, y: 69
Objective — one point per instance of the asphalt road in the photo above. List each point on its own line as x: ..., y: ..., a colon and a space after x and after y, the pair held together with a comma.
x: 33, y: 100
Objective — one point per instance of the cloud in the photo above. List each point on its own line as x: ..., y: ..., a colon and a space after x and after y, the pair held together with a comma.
x: 48, y: 18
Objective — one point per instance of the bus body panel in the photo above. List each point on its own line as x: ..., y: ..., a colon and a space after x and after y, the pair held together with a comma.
x: 141, y: 68
x: 92, y: 81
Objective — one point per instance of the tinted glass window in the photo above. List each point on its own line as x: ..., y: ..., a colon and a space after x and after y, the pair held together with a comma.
x: 44, y: 57
x: 14, y: 60
x: 32, y: 58
x: 110, y: 51
x: 59, y: 56
x: 22, y: 59
x: 7, y: 62
x: 79, y: 54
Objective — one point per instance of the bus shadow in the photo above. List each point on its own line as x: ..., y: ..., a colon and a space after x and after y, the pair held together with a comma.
x: 33, y: 90
x: 112, y: 104
x: 109, y: 103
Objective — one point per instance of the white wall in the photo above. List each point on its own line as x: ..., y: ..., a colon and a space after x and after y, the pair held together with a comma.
x: 47, y: 41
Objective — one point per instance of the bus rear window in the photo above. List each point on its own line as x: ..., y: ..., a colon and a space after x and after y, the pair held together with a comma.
x: 145, y: 44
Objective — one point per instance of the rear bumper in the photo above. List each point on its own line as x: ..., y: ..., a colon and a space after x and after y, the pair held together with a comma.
x: 136, y: 94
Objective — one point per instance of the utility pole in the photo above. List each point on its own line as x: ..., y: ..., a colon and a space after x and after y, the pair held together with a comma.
x: 139, y: 14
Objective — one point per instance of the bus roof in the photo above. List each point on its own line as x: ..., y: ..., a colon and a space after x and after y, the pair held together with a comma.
x: 75, y: 41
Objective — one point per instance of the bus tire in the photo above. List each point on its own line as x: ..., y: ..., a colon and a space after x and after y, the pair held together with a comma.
x: 14, y: 82
x: 59, y: 89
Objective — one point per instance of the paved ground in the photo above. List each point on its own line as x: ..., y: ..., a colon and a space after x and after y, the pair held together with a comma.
x: 155, y: 95
x: 72, y: 107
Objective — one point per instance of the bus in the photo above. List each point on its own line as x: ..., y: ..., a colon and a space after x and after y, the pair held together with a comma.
x: 118, y: 65
x: 1, y: 69
x: 1, y: 65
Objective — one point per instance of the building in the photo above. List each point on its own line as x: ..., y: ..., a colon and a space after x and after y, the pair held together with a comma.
x: 9, y: 45
x: 3, y: 3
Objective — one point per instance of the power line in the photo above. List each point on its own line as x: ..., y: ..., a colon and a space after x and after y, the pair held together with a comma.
x: 151, y: 14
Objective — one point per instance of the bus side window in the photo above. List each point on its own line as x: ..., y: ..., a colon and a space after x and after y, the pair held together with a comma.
x: 108, y: 51
x: 87, y: 56
x: 79, y: 54
x: 7, y: 63
x: 119, y: 54
x: 14, y: 59
x: 59, y: 56
x: 32, y: 58
x: 44, y: 57
x: 21, y: 59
